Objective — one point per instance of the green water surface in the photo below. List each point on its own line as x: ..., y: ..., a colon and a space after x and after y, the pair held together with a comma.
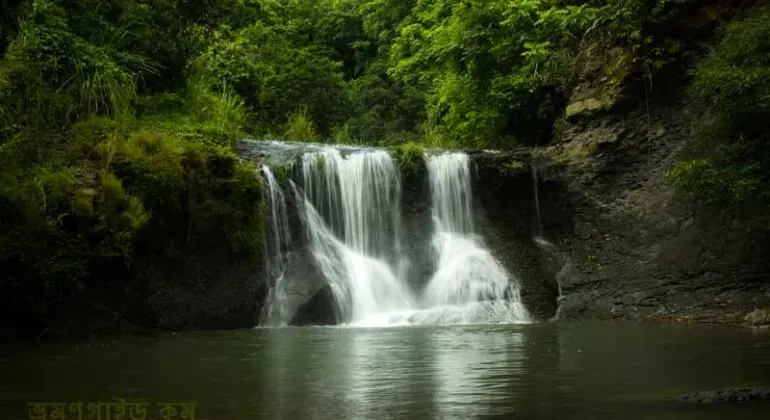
x: 546, y: 371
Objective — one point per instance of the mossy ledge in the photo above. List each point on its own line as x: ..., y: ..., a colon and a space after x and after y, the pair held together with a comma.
x: 411, y: 160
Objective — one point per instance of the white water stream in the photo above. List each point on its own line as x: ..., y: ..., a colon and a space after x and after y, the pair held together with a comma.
x: 465, y: 271
x: 278, y: 242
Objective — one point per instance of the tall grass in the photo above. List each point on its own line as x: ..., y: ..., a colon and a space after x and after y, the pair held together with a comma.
x: 301, y: 128
x: 215, y: 104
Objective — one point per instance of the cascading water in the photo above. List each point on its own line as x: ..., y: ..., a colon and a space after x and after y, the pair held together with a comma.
x: 355, y: 236
x: 466, y: 272
x: 450, y: 187
x: 349, y: 202
x: 278, y: 243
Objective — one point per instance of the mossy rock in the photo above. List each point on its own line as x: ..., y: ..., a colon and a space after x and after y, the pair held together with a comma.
x: 512, y: 168
x: 587, y: 106
x: 410, y: 158
x: 282, y: 172
x: 758, y: 317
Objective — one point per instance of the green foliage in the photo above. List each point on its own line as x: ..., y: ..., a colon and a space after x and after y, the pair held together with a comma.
x: 281, y: 172
x: 275, y: 76
x: 731, y: 169
x: 491, y: 71
x: 320, y: 162
x: 468, y: 73
x: 114, y: 195
x: 436, y: 138
x: 512, y: 167
x: 120, y: 213
x: 300, y: 128
x: 220, y: 108
x: 58, y: 76
x: 56, y: 186
x: 202, y: 114
x: 735, y: 79
x: 381, y: 108
x: 384, y: 19
x: 410, y: 158
x: 651, y: 30
x: 244, y: 211
x: 197, y: 183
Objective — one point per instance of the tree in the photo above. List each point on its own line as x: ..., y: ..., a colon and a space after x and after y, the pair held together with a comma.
x: 275, y: 77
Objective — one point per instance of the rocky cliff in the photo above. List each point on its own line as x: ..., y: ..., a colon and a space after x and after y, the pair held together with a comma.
x: 637, y: 247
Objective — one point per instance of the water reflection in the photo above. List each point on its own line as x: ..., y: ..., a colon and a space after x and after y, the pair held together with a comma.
x: 395, y: 373
x: 473, y: 375
x: 387, y: 371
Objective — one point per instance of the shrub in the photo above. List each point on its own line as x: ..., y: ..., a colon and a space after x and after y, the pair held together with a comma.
x: 301, y: 128
x: 217, y: 105
x: 730, y: 168
x: 410, y: 159
x: 735, y: 79
x: 275, y: 76
x: 282, y: 172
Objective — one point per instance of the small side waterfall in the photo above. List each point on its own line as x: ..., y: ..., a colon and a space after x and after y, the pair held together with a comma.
x: 548, y: 246
x: 349, y: 204
x: 537, y: 202
x: 465, y: 271
x: 278, y: 244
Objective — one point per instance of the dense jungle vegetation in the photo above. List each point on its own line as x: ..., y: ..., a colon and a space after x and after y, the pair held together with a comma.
x: 117, y: 117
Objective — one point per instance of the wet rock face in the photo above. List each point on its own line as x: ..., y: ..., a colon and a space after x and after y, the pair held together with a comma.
x: 601, y: 89
x: 418, y: 230
x: 300, y: 265
x: 201, y: 288
x: 726, y: 396
x: 623, y: 242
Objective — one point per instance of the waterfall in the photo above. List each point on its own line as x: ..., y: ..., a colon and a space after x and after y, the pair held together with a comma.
x: 349, y: 204
x: 450, y: 187
x: 277, y: 250
x: 352, y: 217
x: 359, y: 196
x: 465, y: 271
